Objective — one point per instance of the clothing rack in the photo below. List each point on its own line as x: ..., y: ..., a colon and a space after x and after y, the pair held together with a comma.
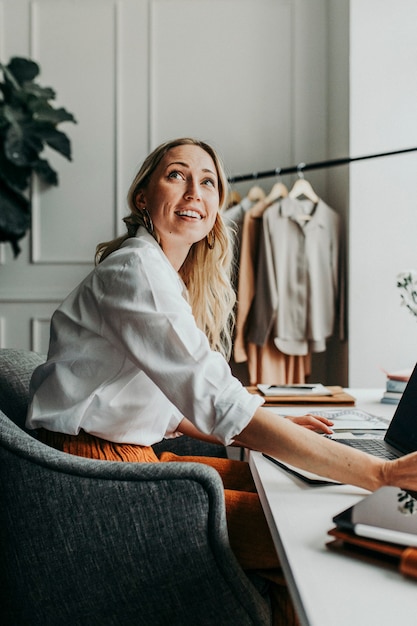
x: 304, y: 167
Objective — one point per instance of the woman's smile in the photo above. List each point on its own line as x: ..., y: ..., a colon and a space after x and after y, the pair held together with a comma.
x: 189, y: 213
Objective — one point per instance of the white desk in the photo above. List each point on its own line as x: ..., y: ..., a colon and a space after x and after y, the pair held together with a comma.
x: 329, y: 589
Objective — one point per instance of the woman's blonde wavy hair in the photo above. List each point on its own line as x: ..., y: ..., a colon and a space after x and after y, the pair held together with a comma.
x: 206, y: 270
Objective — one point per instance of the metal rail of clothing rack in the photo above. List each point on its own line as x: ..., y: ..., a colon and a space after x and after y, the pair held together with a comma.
x: 304, y: 167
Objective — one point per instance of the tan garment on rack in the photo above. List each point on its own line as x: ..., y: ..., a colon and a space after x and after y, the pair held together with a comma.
x: 266, y: 364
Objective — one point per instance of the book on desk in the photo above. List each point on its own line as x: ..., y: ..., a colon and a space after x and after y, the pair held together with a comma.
x: 287, y: 394
x: 381, y: 529
x: 395, y: 384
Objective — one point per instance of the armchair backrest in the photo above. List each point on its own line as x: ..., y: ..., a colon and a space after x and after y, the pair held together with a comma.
x: 102, y: 543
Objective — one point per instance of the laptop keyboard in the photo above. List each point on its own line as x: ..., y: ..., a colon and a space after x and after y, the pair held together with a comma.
x: 371, y: 446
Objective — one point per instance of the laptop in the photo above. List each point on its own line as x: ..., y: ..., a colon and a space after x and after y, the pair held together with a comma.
x: 401, y: 436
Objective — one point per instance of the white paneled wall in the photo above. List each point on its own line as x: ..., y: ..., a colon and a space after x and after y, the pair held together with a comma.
x: 94, y: 53
x: 65, y: 218
x: 134, y: 73
x: 27, y: 323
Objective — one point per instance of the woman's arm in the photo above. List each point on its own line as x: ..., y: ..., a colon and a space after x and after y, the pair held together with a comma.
x: 300, y: 447
x: 187, y: 428
x: 311, y: 422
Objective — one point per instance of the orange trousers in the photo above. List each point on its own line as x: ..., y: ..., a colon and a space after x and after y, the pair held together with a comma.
x: 249, y: 534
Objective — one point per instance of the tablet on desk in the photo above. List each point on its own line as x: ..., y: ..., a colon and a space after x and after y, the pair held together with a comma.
x: 315, y: 389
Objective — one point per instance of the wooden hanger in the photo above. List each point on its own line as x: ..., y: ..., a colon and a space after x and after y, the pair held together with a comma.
x: 278, y: 191
x: 302, y: 188
x: 233, y: 198
x: 256, y: 193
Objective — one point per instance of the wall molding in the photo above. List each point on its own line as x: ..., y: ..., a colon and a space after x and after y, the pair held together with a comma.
x: 36, y: 296
x: 39, y: 329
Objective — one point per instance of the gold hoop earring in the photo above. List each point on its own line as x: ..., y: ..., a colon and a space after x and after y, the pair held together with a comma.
x: 211, y: 239
x: 147, y: 221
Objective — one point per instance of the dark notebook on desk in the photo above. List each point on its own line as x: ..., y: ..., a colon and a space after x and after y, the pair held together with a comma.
x: 401, y: 436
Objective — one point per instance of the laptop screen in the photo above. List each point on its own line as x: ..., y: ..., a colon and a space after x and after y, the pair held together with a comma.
x: 402, y: 431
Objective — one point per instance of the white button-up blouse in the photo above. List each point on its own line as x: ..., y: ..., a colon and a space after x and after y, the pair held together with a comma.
x: 127, y: 362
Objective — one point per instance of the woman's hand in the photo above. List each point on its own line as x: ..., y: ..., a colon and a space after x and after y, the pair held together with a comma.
x: 317, y: 423
x: 402, y: 473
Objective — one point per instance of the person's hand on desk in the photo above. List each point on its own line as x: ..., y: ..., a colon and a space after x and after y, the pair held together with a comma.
x: 402, y: 473
x: 317, y: 423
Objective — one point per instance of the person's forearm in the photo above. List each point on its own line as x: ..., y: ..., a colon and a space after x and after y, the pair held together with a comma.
x: 300, y: 447
x: 187, y: 428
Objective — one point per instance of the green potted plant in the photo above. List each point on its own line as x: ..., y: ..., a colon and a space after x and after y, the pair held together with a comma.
x: 28, y: 123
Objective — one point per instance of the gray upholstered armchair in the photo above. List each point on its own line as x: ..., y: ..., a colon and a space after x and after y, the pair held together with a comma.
x: 86, y: 542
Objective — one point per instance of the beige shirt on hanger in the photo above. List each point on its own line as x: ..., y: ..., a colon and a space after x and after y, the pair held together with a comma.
x: 299, y: 277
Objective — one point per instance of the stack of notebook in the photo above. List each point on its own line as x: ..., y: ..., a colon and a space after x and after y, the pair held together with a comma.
x: 381, y: 529
x: 394, y: 386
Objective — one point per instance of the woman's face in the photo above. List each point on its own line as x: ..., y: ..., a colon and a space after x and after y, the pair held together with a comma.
x: 182, y: 198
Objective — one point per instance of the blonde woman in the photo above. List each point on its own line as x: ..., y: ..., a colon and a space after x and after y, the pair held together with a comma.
x: 138, y: 352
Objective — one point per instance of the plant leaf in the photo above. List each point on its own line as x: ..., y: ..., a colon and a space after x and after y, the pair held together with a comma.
x: 18, y: 178
x: 23, y: 70
x: 46, y: 172
x: 53, y: 137
x: 14, y: 216
x: 13, y: 115
x: 21, y: 147
x: 45, y: 93
x: 3, y: 121
x: 44, y: 112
